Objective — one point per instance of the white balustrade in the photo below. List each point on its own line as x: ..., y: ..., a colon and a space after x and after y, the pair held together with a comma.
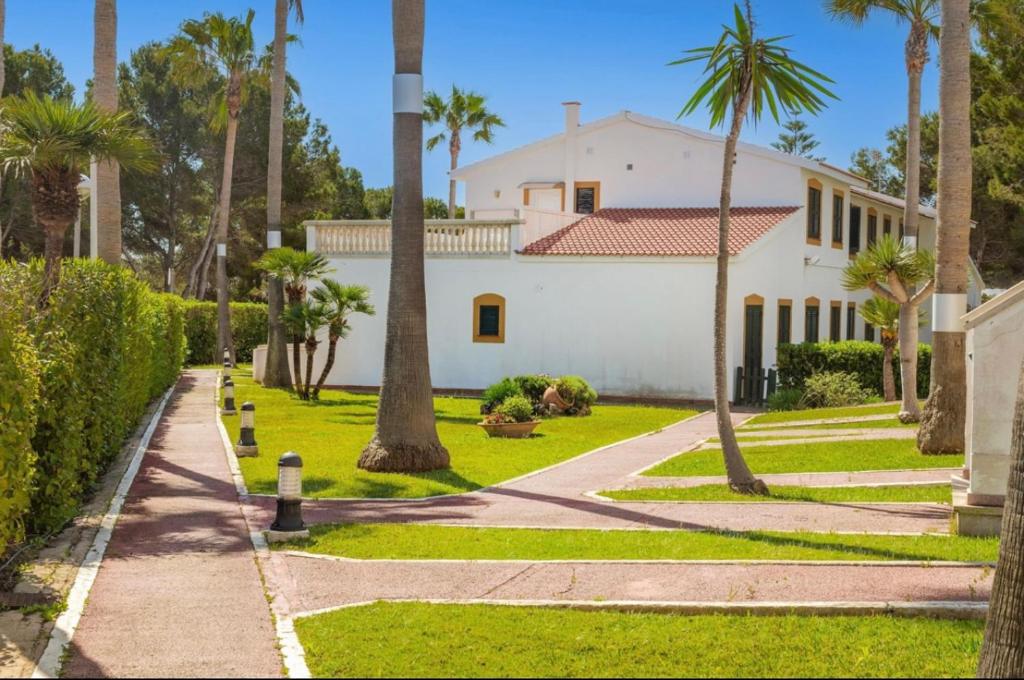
x: 441, y: 238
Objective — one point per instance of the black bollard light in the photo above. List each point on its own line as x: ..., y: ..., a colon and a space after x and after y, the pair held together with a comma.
x: 288, y: 524
x: 229, y: 399
x: 246, y: 445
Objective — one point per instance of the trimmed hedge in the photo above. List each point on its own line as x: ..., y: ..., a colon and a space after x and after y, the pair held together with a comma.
x: 861, y: 358
x: 248, y: 327
x: 105, y: 347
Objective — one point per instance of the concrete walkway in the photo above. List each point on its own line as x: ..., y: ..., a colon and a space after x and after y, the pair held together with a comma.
x: 823, y: 479
x: 178, y: 593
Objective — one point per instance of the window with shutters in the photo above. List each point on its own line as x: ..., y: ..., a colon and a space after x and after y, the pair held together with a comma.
x: 489, y: 318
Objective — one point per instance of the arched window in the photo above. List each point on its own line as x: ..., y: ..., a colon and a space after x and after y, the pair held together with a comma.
x: 489, y: 318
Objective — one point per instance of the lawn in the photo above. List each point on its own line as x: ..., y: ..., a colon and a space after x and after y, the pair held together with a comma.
x: 826, y: 456
x: 331, y: 433
x: 822, y: 413
x: 440, y: 640
x: 909, y: 493
x: 427, y: 542
x: 844, y: 425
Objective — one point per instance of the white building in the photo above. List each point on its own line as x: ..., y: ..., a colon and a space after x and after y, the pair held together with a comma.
x: 591, y: 252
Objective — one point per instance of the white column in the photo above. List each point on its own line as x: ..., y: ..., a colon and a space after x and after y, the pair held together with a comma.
x: 572, y: 122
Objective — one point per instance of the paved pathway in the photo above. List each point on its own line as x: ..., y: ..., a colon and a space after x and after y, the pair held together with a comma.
x: 178, y: 592
x: 869, y: 478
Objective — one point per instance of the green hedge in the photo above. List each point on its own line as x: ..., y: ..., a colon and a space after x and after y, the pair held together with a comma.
x: 248, y: 326
x: 106, y: 346
x: 861, y: 358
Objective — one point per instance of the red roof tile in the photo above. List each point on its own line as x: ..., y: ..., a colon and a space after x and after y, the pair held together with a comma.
x: 658, y: 232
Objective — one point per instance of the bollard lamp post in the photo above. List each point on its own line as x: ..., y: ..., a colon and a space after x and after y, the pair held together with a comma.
x: 226, y: 371
x: 229, y: 399
x: 288, y: 524
x: 246, y: 445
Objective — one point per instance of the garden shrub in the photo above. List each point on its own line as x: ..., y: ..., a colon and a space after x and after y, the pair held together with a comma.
x: 578, y: 392
x: 516, y: 408
x: 248, y: 328
x: 497, y: 393
x: 533, y: 386
x: 785, y: 399
x: 830, y: 389
x: 861, y: 358
x: 105, y: 345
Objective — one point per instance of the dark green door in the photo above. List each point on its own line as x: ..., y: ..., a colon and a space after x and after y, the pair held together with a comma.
x: 753, y: 340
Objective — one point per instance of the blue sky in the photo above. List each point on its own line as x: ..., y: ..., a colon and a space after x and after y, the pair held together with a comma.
x: 526, y: 56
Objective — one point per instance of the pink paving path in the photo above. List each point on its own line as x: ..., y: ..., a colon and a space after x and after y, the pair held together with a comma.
x: 178, y: 593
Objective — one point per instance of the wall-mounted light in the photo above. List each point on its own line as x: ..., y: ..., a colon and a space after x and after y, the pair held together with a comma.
x: 497, y: 193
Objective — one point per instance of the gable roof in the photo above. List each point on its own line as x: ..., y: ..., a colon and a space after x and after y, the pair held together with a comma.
x: 658, y: 232
x: 658, y: 124
x: 1004, y: 300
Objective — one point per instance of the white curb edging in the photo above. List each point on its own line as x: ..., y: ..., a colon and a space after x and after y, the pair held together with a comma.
x: 49, y: 665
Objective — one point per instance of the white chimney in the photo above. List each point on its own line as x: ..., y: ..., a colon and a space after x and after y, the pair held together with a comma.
x: 572, y: 122
x: 572, y: 116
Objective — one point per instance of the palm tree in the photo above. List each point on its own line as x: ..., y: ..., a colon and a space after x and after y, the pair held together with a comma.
x: 303, y: 320
x: 217, y: 44
x: 405, y: 439
x: 884, y: 315
x: 464, y: 110
x: 341, y: 302
x: 294, y: 269
x: 746, y: 75
x: 892, y: 270
x: 104, y: 93
x: 945, y: 413
x: 276, y: 371
x: 52, y: 140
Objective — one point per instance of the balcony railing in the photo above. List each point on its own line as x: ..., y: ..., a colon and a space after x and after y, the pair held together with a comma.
x: 442, y: 238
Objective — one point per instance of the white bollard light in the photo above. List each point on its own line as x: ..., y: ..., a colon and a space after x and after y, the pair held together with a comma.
x: 288, y: 524
x: 229, y: 399
x: 246, y: 445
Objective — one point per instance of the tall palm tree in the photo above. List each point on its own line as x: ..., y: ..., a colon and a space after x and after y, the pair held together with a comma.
x: 341, y: 302
x: 294, y: 269
x: 884, y: 315
x: 104, y: 93
x: 945, y: 413
x: 406, y: 438
x: 892, y: 270
x: 217, y: 44
x: 921, y: 17
x: 464, y: 110
x: 276, y: 372
x: 747, y: 75
x: 52, y: 141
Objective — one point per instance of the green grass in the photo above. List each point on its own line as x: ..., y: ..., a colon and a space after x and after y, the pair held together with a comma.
x: 427, y: 542
x: 412, y: 639
x: 821, y: 413
x: 783, y: 434
x: 826, y: 456
x: 846, y: 425
x: 910, y: 493
x: 331, y: 433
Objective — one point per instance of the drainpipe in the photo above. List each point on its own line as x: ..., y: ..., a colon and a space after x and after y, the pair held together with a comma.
x: 572, y: 123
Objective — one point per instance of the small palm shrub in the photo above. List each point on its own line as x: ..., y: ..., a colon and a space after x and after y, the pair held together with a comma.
x: 830, y: 389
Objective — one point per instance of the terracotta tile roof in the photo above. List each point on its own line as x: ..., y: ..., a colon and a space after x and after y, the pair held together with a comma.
x: 658, y: 232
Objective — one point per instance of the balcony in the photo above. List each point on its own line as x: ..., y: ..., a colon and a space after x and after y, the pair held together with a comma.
x: 442, y: 238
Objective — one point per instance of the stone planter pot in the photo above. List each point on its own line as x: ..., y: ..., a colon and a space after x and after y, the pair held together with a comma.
x: 552, y: 398
x: 510, y: 430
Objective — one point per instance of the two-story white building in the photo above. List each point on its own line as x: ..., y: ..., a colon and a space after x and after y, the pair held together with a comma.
x: 591, y: 252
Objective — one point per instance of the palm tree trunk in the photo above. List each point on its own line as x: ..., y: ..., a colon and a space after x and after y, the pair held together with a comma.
x: 945, y: 414
x: 311, y: 344
x: 1002, y: 653
x: 451, y: 184
x: 910, y: 411
x: 53, y: 254
x: 888, y: 379
x: 739, y: 475
x: 276, y: 371
x: 406, y: 435
x: 297, y: 366
x: 224, y: 338
x: 332, y: 347
x: 3, y: 18
x: 104, y: 94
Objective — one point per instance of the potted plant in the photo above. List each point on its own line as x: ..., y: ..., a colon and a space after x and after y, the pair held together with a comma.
x: 512, y: 418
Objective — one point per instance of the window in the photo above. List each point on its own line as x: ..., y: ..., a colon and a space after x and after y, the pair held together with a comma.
x: 851, y: 321
x: 887, y: 225
x: 869, y: 332
x: 835, y: 321
x: 586, y: 197
x: 785, y: 322
x: 872, y: 227
x: 837, y: 219
x: 814, y: 212
x: 811, y: 318
x: 488, y: 318
x: 854, y: 230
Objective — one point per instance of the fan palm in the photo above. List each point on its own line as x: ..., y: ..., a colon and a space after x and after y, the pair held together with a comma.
x: 885, y: 316
x: 463, y: 110
x: 892, y: 270
x: 223, y: 46
x: 341, y: 302
x: 747, y: 76
x: 52, y: 141
x: 303, y: 320
x: 275, y: 373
